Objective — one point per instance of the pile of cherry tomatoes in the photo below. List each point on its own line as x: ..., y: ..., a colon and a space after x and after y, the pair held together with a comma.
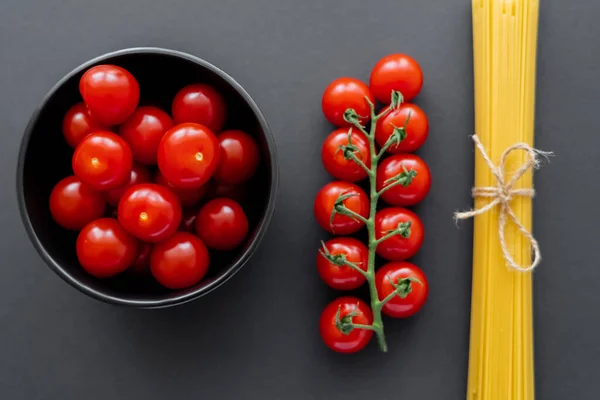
x: 396, y: 72
x: 141, y: 177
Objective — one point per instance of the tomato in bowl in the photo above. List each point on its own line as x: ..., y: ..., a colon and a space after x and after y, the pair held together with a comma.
x: 45, y: 158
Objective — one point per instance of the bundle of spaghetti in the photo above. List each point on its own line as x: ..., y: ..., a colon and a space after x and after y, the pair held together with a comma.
x: 501, y: 342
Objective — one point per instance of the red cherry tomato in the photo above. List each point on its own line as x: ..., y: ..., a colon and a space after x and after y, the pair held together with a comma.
x: 141, y: 266
x: 222, y: 224
x: 217, y: 190
x: 396, y: 72
x: 331, y: 334
x: 143, y: 132
x: 412, y: 285
x: 239, y: 157
x: 111, y: 93
x: 180, y: 261
x: 325, y: 202
x: 150, y: 212
x: 139, y: 174
x: 105, y: 249
x: 73, y: 204
x: 345, y: 93
x: 201, y: 104
x: 343, y: 277
x: 413, y: 172
x: 398, y: 247
x: 187, y: 197
x: 335, y: 161
x: 417, y: 128
x: 188, y: 155
x: 78, y: 123
x: 103, y: 160
x: 188, y: 220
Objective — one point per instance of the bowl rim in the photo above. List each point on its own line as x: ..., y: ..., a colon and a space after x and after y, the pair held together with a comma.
x: 184, y: 297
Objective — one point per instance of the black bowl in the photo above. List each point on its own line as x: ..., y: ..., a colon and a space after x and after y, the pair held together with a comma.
x: 45, y: 158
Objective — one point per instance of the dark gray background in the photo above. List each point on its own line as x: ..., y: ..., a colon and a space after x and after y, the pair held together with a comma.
x: 258, y: 334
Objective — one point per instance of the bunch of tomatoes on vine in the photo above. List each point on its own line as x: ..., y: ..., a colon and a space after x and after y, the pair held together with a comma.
x: 152, y: 192
x: 382, y: 156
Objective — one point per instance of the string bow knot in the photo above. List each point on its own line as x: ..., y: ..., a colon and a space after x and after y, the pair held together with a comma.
x: 502, y: 195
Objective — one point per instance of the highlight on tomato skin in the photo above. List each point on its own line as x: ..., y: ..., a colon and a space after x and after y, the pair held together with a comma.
x: 201, y: 104
x: 397, y: 72
x: 103, y: 160
x: 356, y: 339
x: 105, y: 249
x: 73, y: 204
x: 222, y: 224
x: 143, y: 131
x: 188, y: 155
x: 240, y: 157
x: 78, y: 123
x: 150, y: 212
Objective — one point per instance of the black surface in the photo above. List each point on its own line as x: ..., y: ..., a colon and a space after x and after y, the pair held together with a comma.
x: 45, y: 158
x: 258, y: 334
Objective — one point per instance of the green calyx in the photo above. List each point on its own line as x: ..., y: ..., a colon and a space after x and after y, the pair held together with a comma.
x: 344, y: 324
x: 404, y: 178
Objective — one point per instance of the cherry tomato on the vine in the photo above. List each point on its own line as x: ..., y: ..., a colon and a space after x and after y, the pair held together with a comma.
x: 180, y: 261
x: 417, y: 128
x: 103, y: 160
x: 403, y: 245
x: 74, y: 204
x: 355, y: 199
x: 222, y: 224
x: 396, y: 72
x: 78, y: 123
x: 343, y: 277
x: 188, y: 155
x: 334, y: 155
x: 351, y: 309
x: 105, y: 249
x: 187, y: 197
x: 201, y: 104
x: 345, y: 93
x: 150, y: 212
x: 111, y: 93
x: 410, y: 283
x: 414, y: 174
x: 143, y: 132
x: 239, y: 157
x: 139, y: 174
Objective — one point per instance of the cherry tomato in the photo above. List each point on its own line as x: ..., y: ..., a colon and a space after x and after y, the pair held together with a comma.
x: 222, y: 224
x: 344, y: 93
x: 188, y: 155
x: 139, y: 174
x: 187, y: 197
x: 105, y: 249
x: 343, y: 277
x: 103, y: 160
x: 111, y: 93
x: 325, y: 202
x: 217, y: 190
x: 411, y: 283
x: 150, y: 212
x: 180, y: 261
x: 398, y: 247
x: 417, y: 128
x: 357, y: 338
x: 201, y: 104
x: 414, y: 174
x: 396, y: 72
x: 239, y: 157
x: 141, y: 266
x: 78, y: 123
x: 334, y: 158
x: 73, y: 204
x: 188, y: 220
x: 143, y: 132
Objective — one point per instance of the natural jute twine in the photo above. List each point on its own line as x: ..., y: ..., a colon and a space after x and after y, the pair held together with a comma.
x: 503, y: 193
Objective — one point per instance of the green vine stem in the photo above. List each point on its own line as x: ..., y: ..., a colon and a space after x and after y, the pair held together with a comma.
x: 403, y: 286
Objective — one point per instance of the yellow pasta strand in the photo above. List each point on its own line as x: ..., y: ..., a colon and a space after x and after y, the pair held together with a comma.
x: 501, y: 344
